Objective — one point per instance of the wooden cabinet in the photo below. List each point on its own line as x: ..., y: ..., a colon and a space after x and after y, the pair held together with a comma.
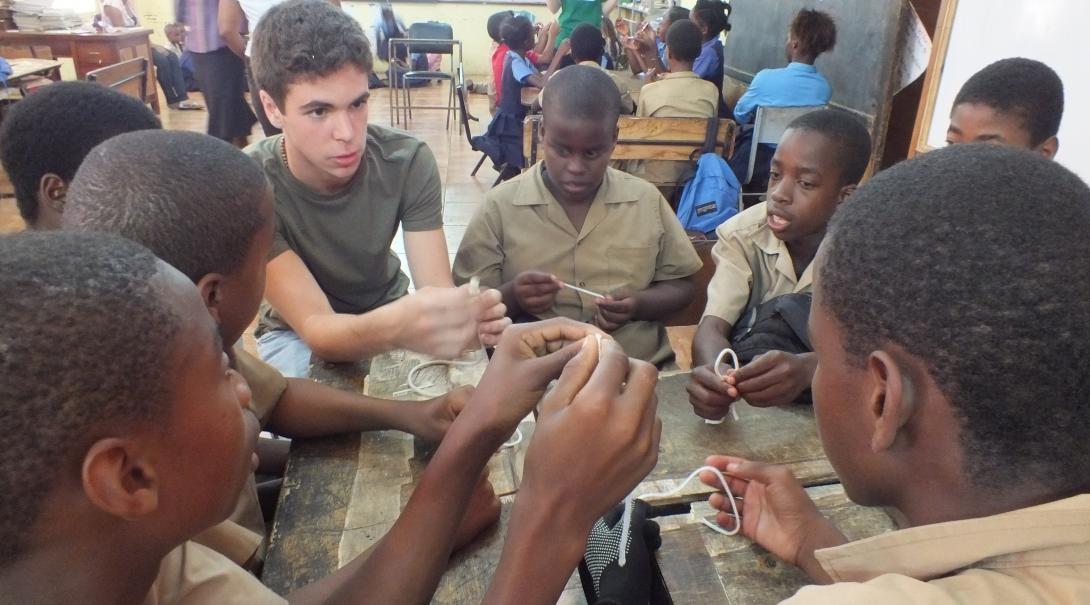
x: 90, y: 51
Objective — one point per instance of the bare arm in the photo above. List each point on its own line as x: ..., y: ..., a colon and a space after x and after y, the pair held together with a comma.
x: 428, y: 260
x: 710, y: 339
x: 608, y: 7
x: 114, y: 15
x: 230, y: 20
x: 553, y: 5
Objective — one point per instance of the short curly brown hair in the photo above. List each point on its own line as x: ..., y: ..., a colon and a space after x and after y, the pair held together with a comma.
x: 87, y: 334
x: 304, y: 39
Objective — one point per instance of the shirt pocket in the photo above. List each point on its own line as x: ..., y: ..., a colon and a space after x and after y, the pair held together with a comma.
x: 631, y: 266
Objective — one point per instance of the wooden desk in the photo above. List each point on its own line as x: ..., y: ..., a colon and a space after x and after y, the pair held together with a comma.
x: 341, y: 495
x: 21, y: 68
x: 90, y: 51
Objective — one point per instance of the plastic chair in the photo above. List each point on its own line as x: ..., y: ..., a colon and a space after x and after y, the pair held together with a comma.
x: 434, y: 38
x: 466, y: 117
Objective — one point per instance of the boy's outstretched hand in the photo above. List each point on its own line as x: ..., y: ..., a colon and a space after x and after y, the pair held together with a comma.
x: 709, y: 394
x: 435, y: 415
x: 491, y: 316
x: 776, y: 512
x: 772, y: 378
x: 615, y: 310
x: 535, y: 291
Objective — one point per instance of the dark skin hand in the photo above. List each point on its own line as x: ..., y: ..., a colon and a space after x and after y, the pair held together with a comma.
x: 655, y: 302
x: 532, y: 292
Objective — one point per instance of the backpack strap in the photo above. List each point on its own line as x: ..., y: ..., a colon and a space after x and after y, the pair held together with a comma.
x: 710, y: 135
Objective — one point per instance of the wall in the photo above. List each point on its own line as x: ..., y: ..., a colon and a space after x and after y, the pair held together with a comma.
x: 468, y: 20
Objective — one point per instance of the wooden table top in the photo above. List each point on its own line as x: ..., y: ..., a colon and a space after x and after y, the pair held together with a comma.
x: 342, y: 494
x: 21, y: 68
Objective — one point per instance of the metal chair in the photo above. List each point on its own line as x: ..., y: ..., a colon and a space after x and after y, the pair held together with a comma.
x: 429, y: 37
x: 466, y: 117
x: 129, y: 77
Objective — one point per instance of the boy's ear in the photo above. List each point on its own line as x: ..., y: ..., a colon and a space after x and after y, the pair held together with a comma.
x: 892, y: 399
x: 846, y: 191
x: 211, y: 288
x: 119, y: 479
x: 271, y: 110
x: 52, y: 191
x: 1049, y: 147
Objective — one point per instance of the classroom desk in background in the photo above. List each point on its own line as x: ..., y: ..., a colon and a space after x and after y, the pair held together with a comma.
x: 90, y: 51
x: 342, y: 494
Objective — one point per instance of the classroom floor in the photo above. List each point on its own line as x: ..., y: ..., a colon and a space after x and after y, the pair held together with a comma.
x: 455, y: 158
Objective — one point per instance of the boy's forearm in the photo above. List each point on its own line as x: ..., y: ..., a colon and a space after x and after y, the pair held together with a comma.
x: 710, y: 339
x: 538, y: 556
x: 311, y: 409
x: 406, y: 565
x: 663, y: 298
x: 347, y: 337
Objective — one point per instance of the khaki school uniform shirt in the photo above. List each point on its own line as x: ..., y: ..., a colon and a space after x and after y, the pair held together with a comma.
x: 344, y: 238
x: 192, y: 574
x: 676, y: 95
x: 1031, y: 556
x: 627, y: 104
x: 752, y: 266
x: 630, y: 239
x: 241, y: 538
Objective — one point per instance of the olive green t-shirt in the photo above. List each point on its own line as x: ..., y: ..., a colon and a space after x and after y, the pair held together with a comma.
x: 574, y: 12
x: 344, y: 239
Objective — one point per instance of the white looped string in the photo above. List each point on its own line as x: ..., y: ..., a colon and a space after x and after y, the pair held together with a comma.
x: 715, y: 368
x: 626, y: 521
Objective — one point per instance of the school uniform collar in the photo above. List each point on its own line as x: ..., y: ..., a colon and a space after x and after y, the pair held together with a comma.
x: 1055, y: 533
x: 767, y: 241
x: 677, y: 75
x: 533, y: 192
x: 804, y: 67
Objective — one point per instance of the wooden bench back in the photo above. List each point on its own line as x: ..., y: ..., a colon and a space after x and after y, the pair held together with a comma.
x: 646, y: 138
x: 129, y: 77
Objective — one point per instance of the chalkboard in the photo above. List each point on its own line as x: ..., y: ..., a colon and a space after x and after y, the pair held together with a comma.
x: 860, y: 68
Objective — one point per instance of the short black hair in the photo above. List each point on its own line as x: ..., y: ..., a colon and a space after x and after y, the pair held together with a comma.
x: 581, y: 92
x: 675, y: 14
x: 683, y: 40
x: 191, y: 198
x: 52, y: 130
x: 715, y: 13
x: 815, y: 31
x: 516, y: 32
x: 304, y: 39
x: 587, y: 43
x: 847, y: 132
x: 1027, y: 89
x: 86, y: 337
x: 944, y: 259
x: 494, y: 23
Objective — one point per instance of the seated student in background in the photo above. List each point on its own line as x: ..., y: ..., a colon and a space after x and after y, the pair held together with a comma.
x: 204, y: 207
x: 679, y: 94
x: 924, y: 397
x: 107, y: 474
x: 573, y: 218
x: 45, y: 137
x: 342, y: 188
x: 1013, y: 101
x: 639, y: 41
x: 768, y: 250
x: 711, y: 16
x: 503, y: 139
x: 800, y: 84
x: 175, y: 34
x: 587, y: 45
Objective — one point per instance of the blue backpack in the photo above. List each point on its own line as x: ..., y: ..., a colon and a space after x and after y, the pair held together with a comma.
x: 711, y: 195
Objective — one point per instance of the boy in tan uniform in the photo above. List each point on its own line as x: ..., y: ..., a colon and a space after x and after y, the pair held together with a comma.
x: 206, y: 208
x: 679, y: 94
x: 959, y: 408
x: 766, y: 251
x: 139, y: 435
x: 573, y: 218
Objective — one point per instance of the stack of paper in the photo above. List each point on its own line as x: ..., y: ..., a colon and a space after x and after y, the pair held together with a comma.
x: 40, y: 15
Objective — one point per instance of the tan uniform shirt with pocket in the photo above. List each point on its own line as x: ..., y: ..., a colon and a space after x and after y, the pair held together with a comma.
x: 192, y: 574
x: 241, y: 538
x: 630, y: 239
x: 752, y: 266
x: 676, y: 95
x: 1030, y: 556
